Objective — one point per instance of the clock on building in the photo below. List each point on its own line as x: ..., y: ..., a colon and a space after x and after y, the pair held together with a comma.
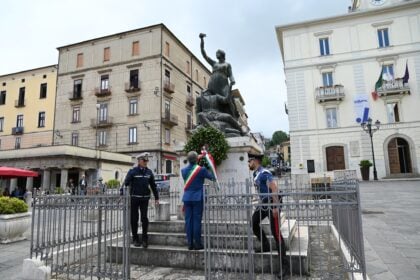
x: 377, y: 2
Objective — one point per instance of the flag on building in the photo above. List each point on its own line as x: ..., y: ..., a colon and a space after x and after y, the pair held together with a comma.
x: 378, y: 84
x: 406, y: 74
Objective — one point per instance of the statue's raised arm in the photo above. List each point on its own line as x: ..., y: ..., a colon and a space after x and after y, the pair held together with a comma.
x: 203, y: 51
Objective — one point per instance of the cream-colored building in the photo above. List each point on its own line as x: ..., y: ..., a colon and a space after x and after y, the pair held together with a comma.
x: 27, y: 100
x: 129, y: 93
x: 332, y: 66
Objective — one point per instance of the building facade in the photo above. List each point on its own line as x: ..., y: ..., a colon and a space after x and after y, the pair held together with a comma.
x: 341, y: 71
x: 129, y: 93
x: 27, y: 102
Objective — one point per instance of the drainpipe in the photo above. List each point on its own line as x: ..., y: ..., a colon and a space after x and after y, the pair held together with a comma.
x: 159, y: 158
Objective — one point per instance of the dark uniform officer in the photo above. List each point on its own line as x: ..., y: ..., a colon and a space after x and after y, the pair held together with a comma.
x: 265, y: 185
x: 140, y: 178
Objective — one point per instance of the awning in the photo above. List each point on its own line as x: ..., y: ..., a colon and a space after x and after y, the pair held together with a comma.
x: 170, y: 157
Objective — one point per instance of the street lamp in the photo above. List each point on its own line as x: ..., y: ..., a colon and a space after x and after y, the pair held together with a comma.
x: 370, y: 129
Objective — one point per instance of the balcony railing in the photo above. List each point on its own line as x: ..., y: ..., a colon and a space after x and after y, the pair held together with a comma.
x: 17, y: 130
x: 331, y: 93
x: 132, y: 87
x: 75, y: 95
x: 101, y: 123
x: 170, y: 119
x: 190, y: 100
x: 168, y: 87
x: 101, y: 92
x: 20, y: 103
x: 393, y: 87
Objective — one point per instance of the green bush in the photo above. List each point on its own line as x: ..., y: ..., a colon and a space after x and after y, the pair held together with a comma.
x: 113, y: 184
x: 217, y: 144
x: 58, y: 190
x: 365, y: 163
x: 12, y: 205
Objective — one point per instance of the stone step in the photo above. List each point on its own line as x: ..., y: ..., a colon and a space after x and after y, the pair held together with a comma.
x: 226, y: 260
x: 220, y: 240
x: 228, y: 227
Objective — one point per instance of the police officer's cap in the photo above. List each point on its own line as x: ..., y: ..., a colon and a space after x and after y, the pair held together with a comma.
x: 144, y: 156
x: 255, y: 156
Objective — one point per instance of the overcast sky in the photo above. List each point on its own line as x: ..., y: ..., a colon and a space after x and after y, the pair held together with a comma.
x: 245, y: 29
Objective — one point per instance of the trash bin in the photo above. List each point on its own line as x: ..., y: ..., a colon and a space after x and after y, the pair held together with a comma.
x: 162, y: 211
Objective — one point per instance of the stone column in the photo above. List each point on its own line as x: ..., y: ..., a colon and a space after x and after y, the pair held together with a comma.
x: 46, y: 180
x: 64, y: 179
x: 29, y: 184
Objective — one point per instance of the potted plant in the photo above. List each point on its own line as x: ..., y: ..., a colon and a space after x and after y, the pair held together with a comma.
x: 14, y: 219
x: 365, y: 169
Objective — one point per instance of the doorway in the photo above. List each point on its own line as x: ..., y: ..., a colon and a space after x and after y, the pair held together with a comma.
x: 335, y: 158
x: 399, y: 156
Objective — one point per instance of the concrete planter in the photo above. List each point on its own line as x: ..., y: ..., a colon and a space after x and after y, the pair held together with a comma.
x: 13, y: 226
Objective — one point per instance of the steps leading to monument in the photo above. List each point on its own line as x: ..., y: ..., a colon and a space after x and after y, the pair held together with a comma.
x: 181, y: 257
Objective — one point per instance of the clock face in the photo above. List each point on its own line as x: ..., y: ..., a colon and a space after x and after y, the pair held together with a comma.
x: 377, y: 2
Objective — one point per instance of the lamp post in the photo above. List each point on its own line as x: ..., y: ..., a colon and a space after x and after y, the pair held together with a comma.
x: 370, y: 128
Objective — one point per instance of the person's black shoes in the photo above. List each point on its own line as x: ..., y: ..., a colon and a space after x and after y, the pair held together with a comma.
x: 190, y: 248
x: 199, y: 247
x: 284, y: 272
x: 145, y: 244
x: 262, y: 249
x: 136, y: 242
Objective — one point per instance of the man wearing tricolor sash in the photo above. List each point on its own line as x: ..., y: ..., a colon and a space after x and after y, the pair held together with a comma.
x: 194, y: 176
x: 268, y: 206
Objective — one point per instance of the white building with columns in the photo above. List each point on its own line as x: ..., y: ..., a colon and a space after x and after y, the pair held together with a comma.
x: 342, y: 70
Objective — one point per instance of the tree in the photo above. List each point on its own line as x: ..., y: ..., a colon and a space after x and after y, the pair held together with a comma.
x: 278, y: 138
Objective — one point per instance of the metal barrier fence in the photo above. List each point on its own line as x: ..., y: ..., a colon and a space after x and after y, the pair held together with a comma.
x: 322, y: 233
x: 74, y: 235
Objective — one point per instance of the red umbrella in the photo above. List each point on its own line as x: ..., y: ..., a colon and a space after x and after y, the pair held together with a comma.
x: 11, y: 172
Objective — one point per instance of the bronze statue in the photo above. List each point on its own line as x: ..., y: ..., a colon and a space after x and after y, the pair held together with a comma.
x: 215, y: 106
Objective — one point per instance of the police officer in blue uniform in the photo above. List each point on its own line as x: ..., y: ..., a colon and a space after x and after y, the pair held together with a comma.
x: 266, y: 187
x: 139, y: 179
x: 194, y: 176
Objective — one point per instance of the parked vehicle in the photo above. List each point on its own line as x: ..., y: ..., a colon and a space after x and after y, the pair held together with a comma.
x: 162, y: 182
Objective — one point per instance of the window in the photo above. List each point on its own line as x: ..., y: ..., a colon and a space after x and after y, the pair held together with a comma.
x: 196, y: 75
x: 167, y: 49
x: 393, y: 112
x: 167, y: 78
x: 79, y: 62
x: 132, y: 135
x: 44, y: 76
x: 76, y: 115
x: 327, y: 79
x: 383, y: 38
x: 107, y: 53
x: 77, y: 88
x: 41, y: 119
x: 102, y: 138
x: 331, y: 117
x: 167, y: 109
x: 3, y: 97
x: 21, y: 100
x: 19, y: 121
x: 167, y: 136
x: 187, y: 67
x: 388, y: 72
x: 134, y: 78
x: 1, y: 123
x: 168, y: 166
x: 133, y: 106
x: 103, y: 112
x: 188, y: 90
x: 104, y: 82
x: 23, y: 80
x: 324, y: 46
x: 135, y: 48
x: 204, y: 81
x: 43, y: 91
x: 17, y: 143
x: 75, y: 139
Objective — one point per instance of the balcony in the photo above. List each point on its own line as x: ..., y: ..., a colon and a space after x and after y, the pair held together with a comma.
x: 331, y: 93
x: 190, y: 100
x: 393, y: 87
x: 169, y: 87
x: 132, y: 87
x: 20, y: 103
x: 102, y: 92
x: 73, y: 96
x: 170, y: 119
x: 95, y: 123
x: 17, y: 130
x: 188, y: 128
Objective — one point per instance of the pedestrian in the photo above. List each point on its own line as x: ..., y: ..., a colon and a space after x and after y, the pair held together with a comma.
x: 83, y: 185
x: 268, y: 194
x: 140, y: 178
x: 101, y: 185
x: 194, y: 176
x: 71, y: 187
